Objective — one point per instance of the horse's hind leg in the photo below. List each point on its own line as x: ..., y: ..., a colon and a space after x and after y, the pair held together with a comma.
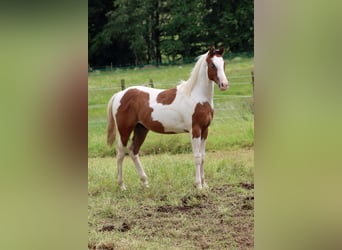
x: 121, y: 148
x: 119, y: 158
x: 140, y: 133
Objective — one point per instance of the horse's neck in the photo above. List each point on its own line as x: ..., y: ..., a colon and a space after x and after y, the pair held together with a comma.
x: 204, y: 88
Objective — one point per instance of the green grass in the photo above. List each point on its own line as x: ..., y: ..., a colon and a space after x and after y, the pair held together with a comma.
x: 171, y: 214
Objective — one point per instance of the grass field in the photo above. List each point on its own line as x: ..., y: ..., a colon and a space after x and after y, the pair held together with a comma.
x: 172, y: 214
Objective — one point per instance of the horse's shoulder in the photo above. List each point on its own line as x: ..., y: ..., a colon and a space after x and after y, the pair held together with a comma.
x: 166, y: 97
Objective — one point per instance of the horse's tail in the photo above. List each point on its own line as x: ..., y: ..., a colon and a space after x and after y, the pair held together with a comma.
x: 111, y: 126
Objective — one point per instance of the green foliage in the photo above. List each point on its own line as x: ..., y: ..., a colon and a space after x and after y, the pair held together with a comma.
x: 140, y: 32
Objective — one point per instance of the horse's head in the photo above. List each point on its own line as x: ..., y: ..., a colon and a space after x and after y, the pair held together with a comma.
x: 216, y: 67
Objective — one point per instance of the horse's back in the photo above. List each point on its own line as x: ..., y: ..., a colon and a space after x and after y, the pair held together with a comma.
x: 132, y: 105
x: 144, y: 105
x: 135, y: 96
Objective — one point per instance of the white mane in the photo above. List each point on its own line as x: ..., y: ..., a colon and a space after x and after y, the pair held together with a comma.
x: 188, y: 85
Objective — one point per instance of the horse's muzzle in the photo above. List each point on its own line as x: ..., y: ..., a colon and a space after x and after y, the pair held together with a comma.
x: 223, y: 85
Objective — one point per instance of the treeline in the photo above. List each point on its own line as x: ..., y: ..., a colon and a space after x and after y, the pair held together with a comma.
x: 126, y: 32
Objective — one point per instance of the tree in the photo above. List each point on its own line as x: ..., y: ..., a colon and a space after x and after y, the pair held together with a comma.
x: 183, y: 32
x: 137, y: 22
x: 97, y: 10
x: 233, y: 25
x: 138, y: 32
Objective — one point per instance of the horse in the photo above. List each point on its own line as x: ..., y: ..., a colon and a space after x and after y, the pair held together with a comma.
x: 186, y: 108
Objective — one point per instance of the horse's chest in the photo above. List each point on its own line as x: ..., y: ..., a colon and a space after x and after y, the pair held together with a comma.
x: 202, y: 115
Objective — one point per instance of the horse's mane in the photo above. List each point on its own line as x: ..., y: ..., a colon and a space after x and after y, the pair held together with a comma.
x: 188, y: 85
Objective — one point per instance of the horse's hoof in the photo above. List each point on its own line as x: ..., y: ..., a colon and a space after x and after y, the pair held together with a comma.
x: 122, y: 187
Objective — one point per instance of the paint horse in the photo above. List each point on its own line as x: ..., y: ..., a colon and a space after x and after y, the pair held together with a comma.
x: 186, y: 108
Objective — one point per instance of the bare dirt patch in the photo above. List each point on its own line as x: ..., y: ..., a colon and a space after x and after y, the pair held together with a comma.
x: 222, y: 218
x: 247, y: 185
x: 102, y: 246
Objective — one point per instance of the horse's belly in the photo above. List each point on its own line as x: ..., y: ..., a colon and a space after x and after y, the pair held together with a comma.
x: 176, y: 128
x: 172, y: 121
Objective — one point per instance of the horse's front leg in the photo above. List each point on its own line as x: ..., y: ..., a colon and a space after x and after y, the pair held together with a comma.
x: 196, y: 149
x: 202, y: 149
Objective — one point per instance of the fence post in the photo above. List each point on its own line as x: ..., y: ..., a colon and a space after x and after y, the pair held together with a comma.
x: 122, y: 84
x: 253, y: 80
x: 151, y: 83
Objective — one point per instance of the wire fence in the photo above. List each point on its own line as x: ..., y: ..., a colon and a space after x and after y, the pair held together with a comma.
x: 168, y: 84
x: 237, y: 110
x: 178, y: 62
x: 228, y: 108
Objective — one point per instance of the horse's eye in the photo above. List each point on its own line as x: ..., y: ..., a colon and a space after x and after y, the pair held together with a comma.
x: 212, y: 65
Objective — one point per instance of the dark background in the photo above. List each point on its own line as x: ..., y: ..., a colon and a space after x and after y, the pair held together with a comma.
x: 132, y: 32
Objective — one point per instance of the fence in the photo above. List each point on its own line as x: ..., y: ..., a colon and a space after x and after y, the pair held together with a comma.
x: 237, y: 106
x: 180, y: 61
x: 122, y: 83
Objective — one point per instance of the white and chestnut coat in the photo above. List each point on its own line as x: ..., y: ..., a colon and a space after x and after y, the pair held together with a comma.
x: 185, y: 108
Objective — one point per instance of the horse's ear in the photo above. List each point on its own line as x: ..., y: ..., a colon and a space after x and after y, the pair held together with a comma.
x: 221, y: 51
x: 212, y: 51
